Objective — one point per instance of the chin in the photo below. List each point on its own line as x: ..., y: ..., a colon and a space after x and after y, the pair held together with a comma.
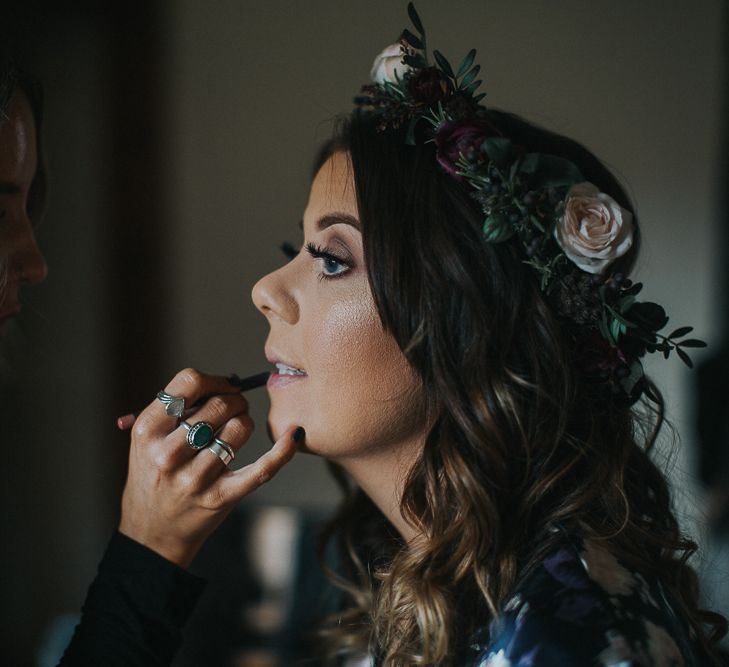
x: 276, y: 428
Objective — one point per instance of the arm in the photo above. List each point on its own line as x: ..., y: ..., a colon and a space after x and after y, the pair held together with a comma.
x: 174, y: 498
x: 134, y: 610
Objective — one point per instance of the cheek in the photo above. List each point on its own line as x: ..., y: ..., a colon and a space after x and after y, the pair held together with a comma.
x: 360, y: 394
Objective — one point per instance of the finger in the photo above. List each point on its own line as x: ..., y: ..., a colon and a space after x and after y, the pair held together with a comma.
x: 207, y: 465
x: 232, y: 486
x: 194, y: 384
x: 189, y: 384
x: 215, y: 413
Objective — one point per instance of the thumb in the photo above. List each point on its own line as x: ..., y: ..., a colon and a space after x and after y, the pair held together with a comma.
x: 237, y: 484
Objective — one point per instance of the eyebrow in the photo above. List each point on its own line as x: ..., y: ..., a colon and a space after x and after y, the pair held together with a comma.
x: 335, y: 219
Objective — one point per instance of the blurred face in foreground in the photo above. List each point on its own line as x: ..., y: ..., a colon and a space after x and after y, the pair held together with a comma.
x: 21, y: 262
x: 345, y: 379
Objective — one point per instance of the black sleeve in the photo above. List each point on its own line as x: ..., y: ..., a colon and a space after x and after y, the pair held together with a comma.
x: 134, y: 609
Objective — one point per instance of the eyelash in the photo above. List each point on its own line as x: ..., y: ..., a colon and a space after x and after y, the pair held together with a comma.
x: 318, y: 252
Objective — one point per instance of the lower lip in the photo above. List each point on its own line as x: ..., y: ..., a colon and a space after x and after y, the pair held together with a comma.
x: 278, y: 380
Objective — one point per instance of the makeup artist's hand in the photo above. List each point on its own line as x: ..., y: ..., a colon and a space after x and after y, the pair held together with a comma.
x: 175, y: 496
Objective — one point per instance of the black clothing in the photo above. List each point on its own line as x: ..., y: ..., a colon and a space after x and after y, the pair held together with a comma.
x: 134, y: 611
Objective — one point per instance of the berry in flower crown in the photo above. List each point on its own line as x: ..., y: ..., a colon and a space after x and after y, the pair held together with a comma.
x: 570, y: 232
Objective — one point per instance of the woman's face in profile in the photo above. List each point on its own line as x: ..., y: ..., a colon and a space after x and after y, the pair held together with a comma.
x: 358, y: 393
x: 19, y: 253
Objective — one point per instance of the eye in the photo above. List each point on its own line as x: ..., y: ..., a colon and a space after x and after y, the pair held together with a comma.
x: 333, y: 266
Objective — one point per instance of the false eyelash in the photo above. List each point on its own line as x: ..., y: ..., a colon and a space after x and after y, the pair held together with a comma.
x: 318, y: 252
x: 288, y: 250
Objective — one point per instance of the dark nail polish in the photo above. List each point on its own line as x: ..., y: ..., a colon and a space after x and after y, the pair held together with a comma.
x: 299, y: 434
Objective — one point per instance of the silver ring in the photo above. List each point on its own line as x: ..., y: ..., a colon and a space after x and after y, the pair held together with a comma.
x: 222, y: 451
x: 199, y: 435
x: 174, y: 405
x: 226, y: 447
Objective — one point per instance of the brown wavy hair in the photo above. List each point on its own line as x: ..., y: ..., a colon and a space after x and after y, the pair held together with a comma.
x: 520, y: 441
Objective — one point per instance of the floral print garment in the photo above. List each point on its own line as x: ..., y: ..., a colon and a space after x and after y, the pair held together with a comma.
x: 582, y: 607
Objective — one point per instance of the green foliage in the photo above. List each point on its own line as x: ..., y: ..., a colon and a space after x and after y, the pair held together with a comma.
x: 415, y: 42
x: 466, y: 63
x: 497, y: 229
x: 523, y: 198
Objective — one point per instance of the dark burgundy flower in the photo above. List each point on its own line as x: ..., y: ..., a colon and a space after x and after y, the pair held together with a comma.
x: 596, y: 356
x: 459, y: 107
x: 429, y: 86
x: 454, y: 139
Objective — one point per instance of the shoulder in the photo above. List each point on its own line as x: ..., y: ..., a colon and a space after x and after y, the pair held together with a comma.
x: 580, y: 607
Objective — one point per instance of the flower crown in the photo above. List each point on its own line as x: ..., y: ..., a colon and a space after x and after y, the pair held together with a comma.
x: 570, y: 232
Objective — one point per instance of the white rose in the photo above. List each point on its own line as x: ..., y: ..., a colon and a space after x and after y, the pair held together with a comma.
x: 389, y: 62
x: 595, y: 230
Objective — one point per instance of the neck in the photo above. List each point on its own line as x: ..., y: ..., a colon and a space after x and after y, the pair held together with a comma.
x: 382, y: 476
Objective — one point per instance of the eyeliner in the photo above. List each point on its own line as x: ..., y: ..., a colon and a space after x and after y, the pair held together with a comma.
x: 244, y: 384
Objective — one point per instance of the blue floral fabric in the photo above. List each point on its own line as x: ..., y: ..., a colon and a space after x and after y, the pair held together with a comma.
x: 583, y: 607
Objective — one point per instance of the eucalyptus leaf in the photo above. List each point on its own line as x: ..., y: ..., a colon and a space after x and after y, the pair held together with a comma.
x: 470, y: 76
x: 479, y: 97
x: 498, y: 149
x: 415, y: 18
x: 615, y: 329
x: 619, y: 317
x: 634, y: 289
x: 625, y: 302
x: 416, y: 61
x: 648, y: 315
x: 496, y: 228
x: 530, y: 163
x: 684, y: 357
x: 691, y: 342
x: 443, y: 63
x: 681, y: 331
x: 411, y: 39
x: 547, y: 171
x: 471, y: 87
x: 467, y: 62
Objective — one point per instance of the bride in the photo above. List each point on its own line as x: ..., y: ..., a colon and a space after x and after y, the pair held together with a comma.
x: 459, y: 338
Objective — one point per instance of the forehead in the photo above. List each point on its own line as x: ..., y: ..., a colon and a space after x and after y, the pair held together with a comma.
x: 17, y: 140
x: 332, y: 189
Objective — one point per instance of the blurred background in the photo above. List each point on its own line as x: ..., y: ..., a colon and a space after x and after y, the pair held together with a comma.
x: 179, y: 136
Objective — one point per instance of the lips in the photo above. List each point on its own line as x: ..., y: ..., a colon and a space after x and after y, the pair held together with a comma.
x: 287, y: 372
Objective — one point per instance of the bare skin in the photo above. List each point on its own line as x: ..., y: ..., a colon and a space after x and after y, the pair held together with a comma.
x: 19, y: 253
x: 176, y: 497
x: 360, y: 401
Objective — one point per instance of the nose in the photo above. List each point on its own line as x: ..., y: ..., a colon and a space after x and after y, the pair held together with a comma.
x: 26, y: 261
x: 272, y: 295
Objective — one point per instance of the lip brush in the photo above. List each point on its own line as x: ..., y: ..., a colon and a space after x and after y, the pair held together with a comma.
x: 244, y: 384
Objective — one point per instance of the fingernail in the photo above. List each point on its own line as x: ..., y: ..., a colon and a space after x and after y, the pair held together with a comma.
x: 233, y: 379
x: 299, y: 434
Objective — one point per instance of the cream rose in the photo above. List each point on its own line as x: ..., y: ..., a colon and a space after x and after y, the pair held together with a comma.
x: 389, y: 62
x: 595, y: 230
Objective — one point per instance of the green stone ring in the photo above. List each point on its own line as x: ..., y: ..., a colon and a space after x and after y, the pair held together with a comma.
x: 199, y: 435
